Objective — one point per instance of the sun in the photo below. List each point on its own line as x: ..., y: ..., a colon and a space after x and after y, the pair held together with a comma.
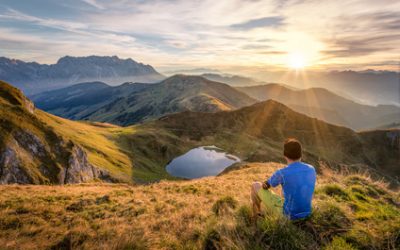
x: 297, y: 60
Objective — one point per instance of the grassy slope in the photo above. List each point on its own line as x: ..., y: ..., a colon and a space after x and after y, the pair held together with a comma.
x: 97, y: 139
x: 129, y: 153
x: 132, y: 153
x: 15, y: 118
x: 141, y: 152
x: 350, y: 210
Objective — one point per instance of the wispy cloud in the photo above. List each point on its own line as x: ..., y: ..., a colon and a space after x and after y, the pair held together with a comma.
x: 12, y: 14
x: 95, y: 4
x: 275, y: 21
x: 355, y: 46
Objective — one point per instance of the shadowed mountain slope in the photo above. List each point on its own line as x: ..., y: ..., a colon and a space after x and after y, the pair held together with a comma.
x: 83, y: 99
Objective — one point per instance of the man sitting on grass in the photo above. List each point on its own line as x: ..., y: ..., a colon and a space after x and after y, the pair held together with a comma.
x: 298, y: 183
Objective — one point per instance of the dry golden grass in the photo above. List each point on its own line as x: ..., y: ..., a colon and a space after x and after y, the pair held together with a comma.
x: 181, y: 214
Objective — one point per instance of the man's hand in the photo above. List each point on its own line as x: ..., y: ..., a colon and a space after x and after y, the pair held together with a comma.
x: 265, y: 185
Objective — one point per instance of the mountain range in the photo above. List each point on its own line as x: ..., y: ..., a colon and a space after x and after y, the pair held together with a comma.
x: 37, y: 147
x: 233, y: 80
x: 328, y: 106
x: 370, y: 87
x: 130, y: 103
x: 32, y: 77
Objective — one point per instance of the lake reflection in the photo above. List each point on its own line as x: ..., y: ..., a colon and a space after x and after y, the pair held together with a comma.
x: 200, y: 162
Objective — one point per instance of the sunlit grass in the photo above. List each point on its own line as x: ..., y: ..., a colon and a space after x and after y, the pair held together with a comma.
x: 97, y: 139
x: 212, y: 212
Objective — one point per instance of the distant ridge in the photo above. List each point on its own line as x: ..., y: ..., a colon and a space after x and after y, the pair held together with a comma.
x: 233, y: 80
x: 326, y: 105
x: 33, y: 77
x: 371, y: 87
x: 133, y: 102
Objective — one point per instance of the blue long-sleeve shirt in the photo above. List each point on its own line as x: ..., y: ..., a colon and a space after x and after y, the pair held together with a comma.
x: 298, y: 184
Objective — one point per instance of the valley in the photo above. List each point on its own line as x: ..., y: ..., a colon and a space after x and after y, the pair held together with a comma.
x: 139, y: 153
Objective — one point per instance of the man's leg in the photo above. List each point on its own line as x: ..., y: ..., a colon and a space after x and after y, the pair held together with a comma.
x: 272, y: 202
x: 255, y: 188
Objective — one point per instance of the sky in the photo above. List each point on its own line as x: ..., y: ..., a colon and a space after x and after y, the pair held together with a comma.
x: 226, y: 35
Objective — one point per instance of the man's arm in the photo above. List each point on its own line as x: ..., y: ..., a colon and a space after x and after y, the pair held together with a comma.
x: 273, y: 181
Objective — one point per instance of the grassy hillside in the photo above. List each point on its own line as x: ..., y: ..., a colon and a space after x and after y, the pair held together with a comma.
x: 97, y: 139
x: 36, y: 147
x: 26, y: 143
x: 256, y: 133
x: 351, y: 211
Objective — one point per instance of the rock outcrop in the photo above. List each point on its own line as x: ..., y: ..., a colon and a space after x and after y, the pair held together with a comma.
x: 79, y: 169
x: 26, y: 160
x: 32, y: 152
x: 11, y: 170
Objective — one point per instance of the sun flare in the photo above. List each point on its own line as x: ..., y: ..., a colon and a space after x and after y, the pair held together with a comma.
x: 297, y: 61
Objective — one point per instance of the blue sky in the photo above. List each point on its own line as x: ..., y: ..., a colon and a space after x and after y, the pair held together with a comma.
x: 230, y: 35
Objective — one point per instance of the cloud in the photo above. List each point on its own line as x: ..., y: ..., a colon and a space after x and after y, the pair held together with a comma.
x: 389, y: 20
x: 356, y: 46
x: 95, y: 4
x: 226, y: 33
x: 15, y: 15
x: 274, y: 22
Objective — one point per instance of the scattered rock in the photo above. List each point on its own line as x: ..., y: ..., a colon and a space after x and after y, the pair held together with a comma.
x: 80, y: 205
x: 223, y: 205
x: 138, y: 202
x: 103, y: 199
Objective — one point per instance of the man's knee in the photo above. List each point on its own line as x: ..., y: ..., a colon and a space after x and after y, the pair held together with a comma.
x: 255, y: 187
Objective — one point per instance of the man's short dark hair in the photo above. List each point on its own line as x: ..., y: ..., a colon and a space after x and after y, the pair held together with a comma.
x: 292, y: 149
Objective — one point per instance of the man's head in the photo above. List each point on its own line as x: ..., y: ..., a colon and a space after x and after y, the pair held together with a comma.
x: 292, y: 150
